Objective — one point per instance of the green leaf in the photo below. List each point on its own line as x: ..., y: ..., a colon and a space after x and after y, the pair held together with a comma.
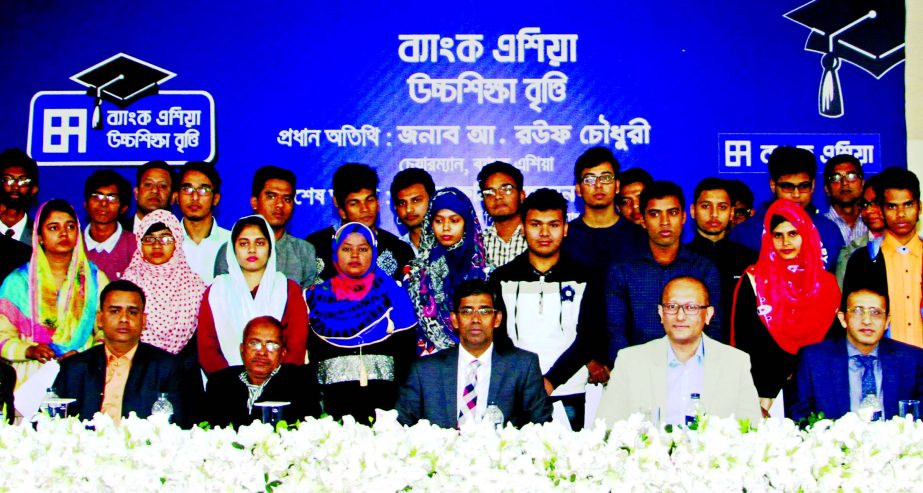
x: 238, y: 446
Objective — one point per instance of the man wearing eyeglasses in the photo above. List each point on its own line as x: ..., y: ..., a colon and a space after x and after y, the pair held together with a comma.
x: 457, y: 385
x: 232, y: 393
x: 153, y: 189
x: 600, y: 235
x: 870, y: 213
x: 198, y: 194
x: 893, y: 263
x: 659, y: 377
x: 18, y: 187
x: 835, y: 376
x: 843, y: 181
x: 502, y: 193
x: 791, y: 177
x: 106, y: 197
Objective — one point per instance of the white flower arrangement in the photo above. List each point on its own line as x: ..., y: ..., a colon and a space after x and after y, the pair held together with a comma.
x: 850, y: 454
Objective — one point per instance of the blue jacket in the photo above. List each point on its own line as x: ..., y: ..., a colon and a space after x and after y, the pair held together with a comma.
x: 821, y: 381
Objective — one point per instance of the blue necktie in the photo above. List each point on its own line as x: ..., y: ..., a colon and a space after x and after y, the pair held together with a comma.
x: 868, y: 374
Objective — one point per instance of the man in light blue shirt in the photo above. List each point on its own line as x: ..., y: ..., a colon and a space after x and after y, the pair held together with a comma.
x: 833, y: 377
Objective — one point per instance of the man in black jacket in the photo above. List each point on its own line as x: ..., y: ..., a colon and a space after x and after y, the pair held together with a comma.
x: 232, y: 393
x: 553, y: 306
x: 123, y: 374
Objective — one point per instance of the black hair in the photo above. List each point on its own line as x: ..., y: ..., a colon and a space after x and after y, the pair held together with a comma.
x: 55, y: 205
x: 739, y: 191
x: 156, y: 228
x: 267, y: 173
x: 897, y: 179
x: 659, y: 190
x: 15, y: 157
x: 635, y: 175
x: 593, y: 157
x: 144, y: 168
x: 121, y: 285
x: 250, y: 221
x: 206, y: 169
x: 786, y: 160
x: 873, y: 182
x: 473, y: 287
x: 409, y: 177
x: 840, y: 159
x: 352, y: 177
x: 544, y: 199
x: 500, y: 167
x: 104, y: 178
x: 776, y: 220
x: 870, y: 287
x: 712, y: 183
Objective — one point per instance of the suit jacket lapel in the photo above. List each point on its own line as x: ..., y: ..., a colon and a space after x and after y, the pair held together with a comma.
x: 449, y: 383
x: 658, y: 376
x: 713, y: 374
x: 837, y: 381
x: 890, y: 377
x: 96, y: 381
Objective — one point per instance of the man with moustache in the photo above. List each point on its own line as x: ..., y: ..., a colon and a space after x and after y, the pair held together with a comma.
x: 633, y: 287
x: 632, y: 182
x: 153, y: 189
x: 411, y: 190
x: 712, y: 210
x: 106, y: 197
x: 18, y: 187
x: 843, y: 183
x: 835, y: 376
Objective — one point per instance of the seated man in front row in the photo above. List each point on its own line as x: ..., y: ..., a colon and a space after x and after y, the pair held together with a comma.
x: 232, y: 392
x: 123, y: 374
x: 663, y: 374
x: 834, y: 376
x: 456, y: 385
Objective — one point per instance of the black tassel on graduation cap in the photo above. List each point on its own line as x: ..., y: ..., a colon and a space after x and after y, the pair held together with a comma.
x: 867, y: 33
x: 121, y: 79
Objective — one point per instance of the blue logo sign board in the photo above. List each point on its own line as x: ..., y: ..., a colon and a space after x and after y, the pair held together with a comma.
x: 172, y: 126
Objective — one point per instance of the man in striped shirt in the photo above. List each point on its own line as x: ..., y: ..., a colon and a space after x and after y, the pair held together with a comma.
x: 501, y: 190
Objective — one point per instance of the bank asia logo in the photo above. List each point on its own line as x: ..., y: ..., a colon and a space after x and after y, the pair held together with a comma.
x: 122, y: 118
x: 866, y: 33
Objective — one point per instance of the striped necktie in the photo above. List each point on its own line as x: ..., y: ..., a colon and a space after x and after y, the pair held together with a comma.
x: 470, y: 393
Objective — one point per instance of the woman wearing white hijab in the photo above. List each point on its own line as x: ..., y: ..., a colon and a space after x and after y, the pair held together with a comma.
x: 251, y: 288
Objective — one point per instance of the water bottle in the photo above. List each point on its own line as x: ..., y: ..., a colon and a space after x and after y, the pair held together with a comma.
x: 692, y: 409
x: 162, y: 407
x: 494, y: 415
x: 50, y: 403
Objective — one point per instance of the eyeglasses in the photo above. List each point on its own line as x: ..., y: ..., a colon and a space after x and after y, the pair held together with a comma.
x: 591, y: 180
x: 467, y: 311
x: 742, y: 212
x: 270, y: 346
x: 501, y: 190
x: 802, y: 187
x: 201, y: 191
x: 163, y: 240
x: 110, y: 198
x: 20, y: 181
x: 850, y: 177
x: 688, y: 309
x: 860, y: 311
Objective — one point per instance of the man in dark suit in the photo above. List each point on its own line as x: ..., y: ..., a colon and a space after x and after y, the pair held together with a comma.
x: 835, y: 376
x: 457, y: 385
x: 15, y: 254
x: 123, y: 374
x: 233, y: 391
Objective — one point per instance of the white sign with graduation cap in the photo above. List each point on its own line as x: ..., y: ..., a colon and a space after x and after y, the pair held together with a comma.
x: 123, y: 118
